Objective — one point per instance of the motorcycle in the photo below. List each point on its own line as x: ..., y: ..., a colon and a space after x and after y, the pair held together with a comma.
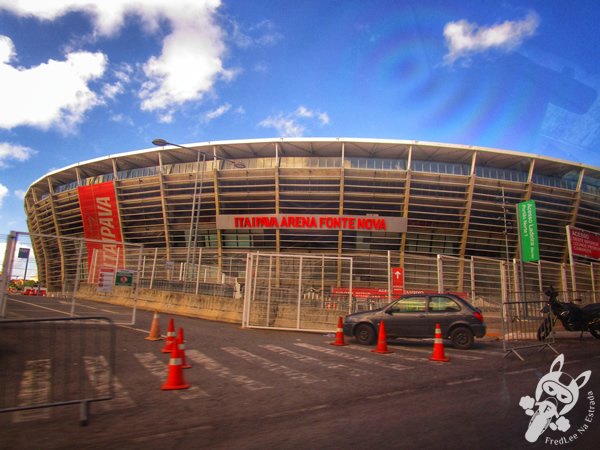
x: 572, y: 317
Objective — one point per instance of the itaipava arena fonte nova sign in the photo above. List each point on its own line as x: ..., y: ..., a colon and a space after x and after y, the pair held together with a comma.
x: 311, y: 221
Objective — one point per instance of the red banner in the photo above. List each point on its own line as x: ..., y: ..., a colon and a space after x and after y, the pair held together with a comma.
x: 100, y: 217
x: 584, y: 243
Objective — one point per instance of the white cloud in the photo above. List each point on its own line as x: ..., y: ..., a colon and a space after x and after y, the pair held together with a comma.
x: 3, y: 193
x: 20, y: 194
x: 15, y: 152
x: 211, y: 115
x: 324, y: 118
x: 302, y: 111
x: 191, y: 60
x: 54, y: 93
x: 464, y: 38
x: 291, y: 125
x: 262, y: 34
x: 285, y: 126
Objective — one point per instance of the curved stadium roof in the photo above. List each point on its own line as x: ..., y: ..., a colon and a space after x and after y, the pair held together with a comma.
x: 455, y: 197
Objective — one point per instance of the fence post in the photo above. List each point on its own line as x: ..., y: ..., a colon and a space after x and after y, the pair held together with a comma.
x: 516, y: 280
x: 198, y: 270
x: 593, y: 282
x: 153, y: 268
x: 389, y: 275
x: 322, y: 280
x: 440, y: 273
x: 269, y: 291
x: 11, y: 242
x: 350, y: 290
x: 247, y: 290
x: 76, y: 283
x: 299, y: 293
x: 472, y: 268
x: 563, y: 280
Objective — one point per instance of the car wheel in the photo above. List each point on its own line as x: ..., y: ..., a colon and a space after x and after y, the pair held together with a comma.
x: 365, y: 334
x: 462, y: 338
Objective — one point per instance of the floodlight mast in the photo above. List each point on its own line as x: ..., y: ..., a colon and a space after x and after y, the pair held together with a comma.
x: 195, y: 215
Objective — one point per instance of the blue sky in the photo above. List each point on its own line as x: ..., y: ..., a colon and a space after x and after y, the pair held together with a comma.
x: 85, y: 79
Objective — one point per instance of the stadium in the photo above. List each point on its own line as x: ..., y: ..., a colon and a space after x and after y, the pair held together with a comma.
x: 385, y: 203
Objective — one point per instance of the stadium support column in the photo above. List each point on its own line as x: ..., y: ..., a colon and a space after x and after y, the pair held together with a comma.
x: 466, y: 221
x: 341, y: 212
x: 217, y: 213
x: 277, y: 207
x: 57, y: 232
x: 163, y: 202
x: 405, y: 208
x: 574, y: 211
x: 116, y: 187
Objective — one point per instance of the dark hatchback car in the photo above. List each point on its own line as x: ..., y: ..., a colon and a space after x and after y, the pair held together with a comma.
x: 416, y: 316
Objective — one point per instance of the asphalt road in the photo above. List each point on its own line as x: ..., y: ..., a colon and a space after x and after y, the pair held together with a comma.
x: 262, y: 389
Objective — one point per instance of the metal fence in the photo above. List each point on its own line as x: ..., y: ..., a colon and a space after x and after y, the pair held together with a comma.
x: 525, y: 325
x: 70, y: 263
x: 54, y: 362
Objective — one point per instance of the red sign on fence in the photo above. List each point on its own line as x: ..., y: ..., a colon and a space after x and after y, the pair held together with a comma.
x: 584, y: 243
x: 101, y: 223
x: 397, y: 279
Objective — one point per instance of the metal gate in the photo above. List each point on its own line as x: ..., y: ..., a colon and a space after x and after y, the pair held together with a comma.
x: 525, y: 325
x: 296, y: 292
x: 55, y: 362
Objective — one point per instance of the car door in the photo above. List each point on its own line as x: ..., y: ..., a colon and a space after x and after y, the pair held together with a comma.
x: 406, y: 317
x: 444, y: 310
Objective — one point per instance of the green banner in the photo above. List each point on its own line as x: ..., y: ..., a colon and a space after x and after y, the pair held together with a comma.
x: 530, y: 250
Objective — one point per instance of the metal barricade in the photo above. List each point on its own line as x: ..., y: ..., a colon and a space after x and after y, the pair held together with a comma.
x: 525, y: 325
x: 53, y: 362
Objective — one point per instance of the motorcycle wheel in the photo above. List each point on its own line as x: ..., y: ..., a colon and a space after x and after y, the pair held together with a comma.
x: 595, y: 330
x: 544, y: 330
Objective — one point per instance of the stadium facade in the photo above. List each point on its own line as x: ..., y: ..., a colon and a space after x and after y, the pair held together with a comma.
x: 330, y: 196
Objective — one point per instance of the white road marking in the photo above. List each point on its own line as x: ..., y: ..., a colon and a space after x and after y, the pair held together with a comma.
x: 310, y: 359
x: 516, y: 372
x: 390, y: 394
x: 292, y: 374
x: 160, y: 370
x: 468, y: 380
x: 297, y: 411
x: 395, y: 353
x: 429, y: 352
x: 34, y: 390
x: 98, y: 373
x: 172, y: 434
x: 351, y: 357
x: 224, y: 372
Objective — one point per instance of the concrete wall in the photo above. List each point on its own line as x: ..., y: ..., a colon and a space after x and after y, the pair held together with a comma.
x: 206, y: 307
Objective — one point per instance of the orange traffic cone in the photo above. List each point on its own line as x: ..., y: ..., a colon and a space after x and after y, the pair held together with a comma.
x: 382, y: 341
x: 339, y: 334
x: 438, y: 346
x: 154, y: 329
x: 181, y: 344
x: 175, y: 378
x: 169, y: 342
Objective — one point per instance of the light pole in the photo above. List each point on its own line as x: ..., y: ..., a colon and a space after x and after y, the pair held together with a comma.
x: 194, y: 224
